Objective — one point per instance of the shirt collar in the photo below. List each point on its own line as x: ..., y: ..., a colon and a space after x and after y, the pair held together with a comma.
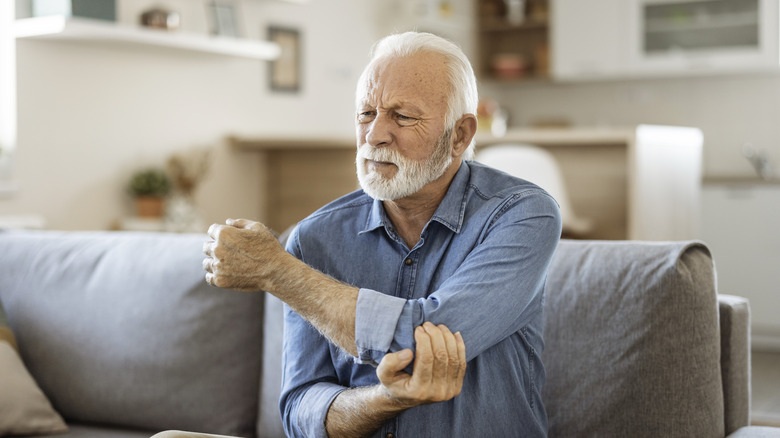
x: 450, y: 212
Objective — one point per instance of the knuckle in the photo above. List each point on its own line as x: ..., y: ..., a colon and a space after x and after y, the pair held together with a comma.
x: 426, y: 358
x: 219, y: 251
x: 219, y: 281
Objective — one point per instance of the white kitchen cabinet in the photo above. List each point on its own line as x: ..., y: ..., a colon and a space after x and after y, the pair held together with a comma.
x: 609, y: 39
x: 740, y: 223
x: 705, y: 36
x: 589, y: 39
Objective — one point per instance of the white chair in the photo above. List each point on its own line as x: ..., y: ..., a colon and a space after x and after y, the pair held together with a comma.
x: 538, y: 166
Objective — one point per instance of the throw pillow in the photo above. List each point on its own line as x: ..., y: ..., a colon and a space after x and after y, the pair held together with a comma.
x: 24, y: 408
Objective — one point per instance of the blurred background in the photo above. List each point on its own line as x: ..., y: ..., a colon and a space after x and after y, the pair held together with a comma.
x: 245, y: 108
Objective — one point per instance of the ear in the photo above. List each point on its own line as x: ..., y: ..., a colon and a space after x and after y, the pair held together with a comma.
x: 464, y: 131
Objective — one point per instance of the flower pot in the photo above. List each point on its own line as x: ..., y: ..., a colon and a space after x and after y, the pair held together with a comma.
x: 149, y: 206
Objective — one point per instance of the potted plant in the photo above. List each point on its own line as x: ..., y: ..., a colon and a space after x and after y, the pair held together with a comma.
x: 149, y: 187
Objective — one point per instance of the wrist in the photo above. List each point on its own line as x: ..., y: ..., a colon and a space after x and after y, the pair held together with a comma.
x: 393, y: 402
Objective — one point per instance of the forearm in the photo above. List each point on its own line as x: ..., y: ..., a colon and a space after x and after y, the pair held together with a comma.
x: 326, y: 303
x: 358, y: 412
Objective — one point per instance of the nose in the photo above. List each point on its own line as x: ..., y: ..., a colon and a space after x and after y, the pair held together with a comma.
x: 379, y: 131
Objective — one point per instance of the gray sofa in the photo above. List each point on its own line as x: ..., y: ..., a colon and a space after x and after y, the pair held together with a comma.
x: 124, y: 338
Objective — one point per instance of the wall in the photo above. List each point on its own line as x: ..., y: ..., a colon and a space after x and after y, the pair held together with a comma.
x: 730, y: 110
x: 90, y: 114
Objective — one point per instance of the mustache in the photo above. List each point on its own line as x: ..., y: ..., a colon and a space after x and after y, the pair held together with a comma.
x: 384, y: 155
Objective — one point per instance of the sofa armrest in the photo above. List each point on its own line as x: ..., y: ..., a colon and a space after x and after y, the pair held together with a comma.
x: 756, y: 432
x: 735, y: 360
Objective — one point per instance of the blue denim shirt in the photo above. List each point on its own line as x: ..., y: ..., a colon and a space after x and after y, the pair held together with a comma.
x: 479, y: 268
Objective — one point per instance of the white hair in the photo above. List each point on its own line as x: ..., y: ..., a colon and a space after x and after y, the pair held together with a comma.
x: 463, y: 96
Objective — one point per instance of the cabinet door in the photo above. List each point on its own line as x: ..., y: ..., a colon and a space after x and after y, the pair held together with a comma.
x: 740, y: 226
x: 678, y: 37
x: 589, y: 39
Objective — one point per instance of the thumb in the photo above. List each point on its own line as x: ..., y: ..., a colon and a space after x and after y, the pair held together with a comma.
x: 241, y: 223
x: 393, y: 363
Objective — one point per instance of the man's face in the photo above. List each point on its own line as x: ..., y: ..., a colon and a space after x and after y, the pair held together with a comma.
x: 402, y: 141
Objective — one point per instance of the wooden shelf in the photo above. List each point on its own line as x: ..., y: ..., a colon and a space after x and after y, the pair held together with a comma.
x: 80, y: 29
x: 515, y: 52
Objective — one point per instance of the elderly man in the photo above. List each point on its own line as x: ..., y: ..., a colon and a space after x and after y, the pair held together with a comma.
x: 391, y: 290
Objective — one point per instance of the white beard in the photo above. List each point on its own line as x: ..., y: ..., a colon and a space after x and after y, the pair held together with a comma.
x: 411, y: 176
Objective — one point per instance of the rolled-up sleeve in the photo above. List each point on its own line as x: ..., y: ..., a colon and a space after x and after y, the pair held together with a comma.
x: 312, y: 409
x: 376, y: 321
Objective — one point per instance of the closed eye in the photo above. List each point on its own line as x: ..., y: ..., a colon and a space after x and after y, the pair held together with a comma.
x: 366, y: 116
x: 405, y: 120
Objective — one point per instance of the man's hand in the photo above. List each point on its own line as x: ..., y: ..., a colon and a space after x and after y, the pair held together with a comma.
x: 439, y: 367
x: 243, y: 255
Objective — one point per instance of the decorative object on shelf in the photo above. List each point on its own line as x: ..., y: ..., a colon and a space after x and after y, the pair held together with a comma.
x: 285, y: 72
x: 159, y: 18
x: 515, y: 11
x: 149, y: 187
x: 509, y: 65
x: 97, y: 9
x: 187, y: 170
x: 224, y: 19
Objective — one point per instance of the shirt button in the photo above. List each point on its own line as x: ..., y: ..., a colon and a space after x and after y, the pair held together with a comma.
x: 408, y: 262
x: 390, y: 435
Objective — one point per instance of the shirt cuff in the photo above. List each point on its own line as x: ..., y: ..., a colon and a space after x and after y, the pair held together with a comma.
x: 376, y: 319
x: 318, y: 398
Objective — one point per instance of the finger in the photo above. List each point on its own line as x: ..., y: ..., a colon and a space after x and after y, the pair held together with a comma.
x: 207, y: 264
x: 243, y: 223
x: 214, y: 230
x: 423, y: 358
x: 439, y: 348
x: 208, y: 248
x: 461, y: 360
x: 393, y: 363
x: 453, y: 363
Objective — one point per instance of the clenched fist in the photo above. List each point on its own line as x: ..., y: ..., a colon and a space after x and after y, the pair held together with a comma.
x: 243, y: 256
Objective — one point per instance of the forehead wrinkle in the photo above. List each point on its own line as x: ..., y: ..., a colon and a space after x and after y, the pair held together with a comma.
x: 394, y: 82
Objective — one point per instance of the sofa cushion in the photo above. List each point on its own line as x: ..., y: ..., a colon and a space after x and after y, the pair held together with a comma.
x: 24, y: 408
x: 631, y: 341
x: 121, y: 329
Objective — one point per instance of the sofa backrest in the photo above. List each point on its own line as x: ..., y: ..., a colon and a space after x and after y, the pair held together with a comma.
x: 632, y: 344
x: 121, y: 329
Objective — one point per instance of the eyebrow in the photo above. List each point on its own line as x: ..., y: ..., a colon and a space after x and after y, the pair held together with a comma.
x: 403, y: 105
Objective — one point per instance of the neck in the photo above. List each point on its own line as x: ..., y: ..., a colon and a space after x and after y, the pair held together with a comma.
x: 410, y: 214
